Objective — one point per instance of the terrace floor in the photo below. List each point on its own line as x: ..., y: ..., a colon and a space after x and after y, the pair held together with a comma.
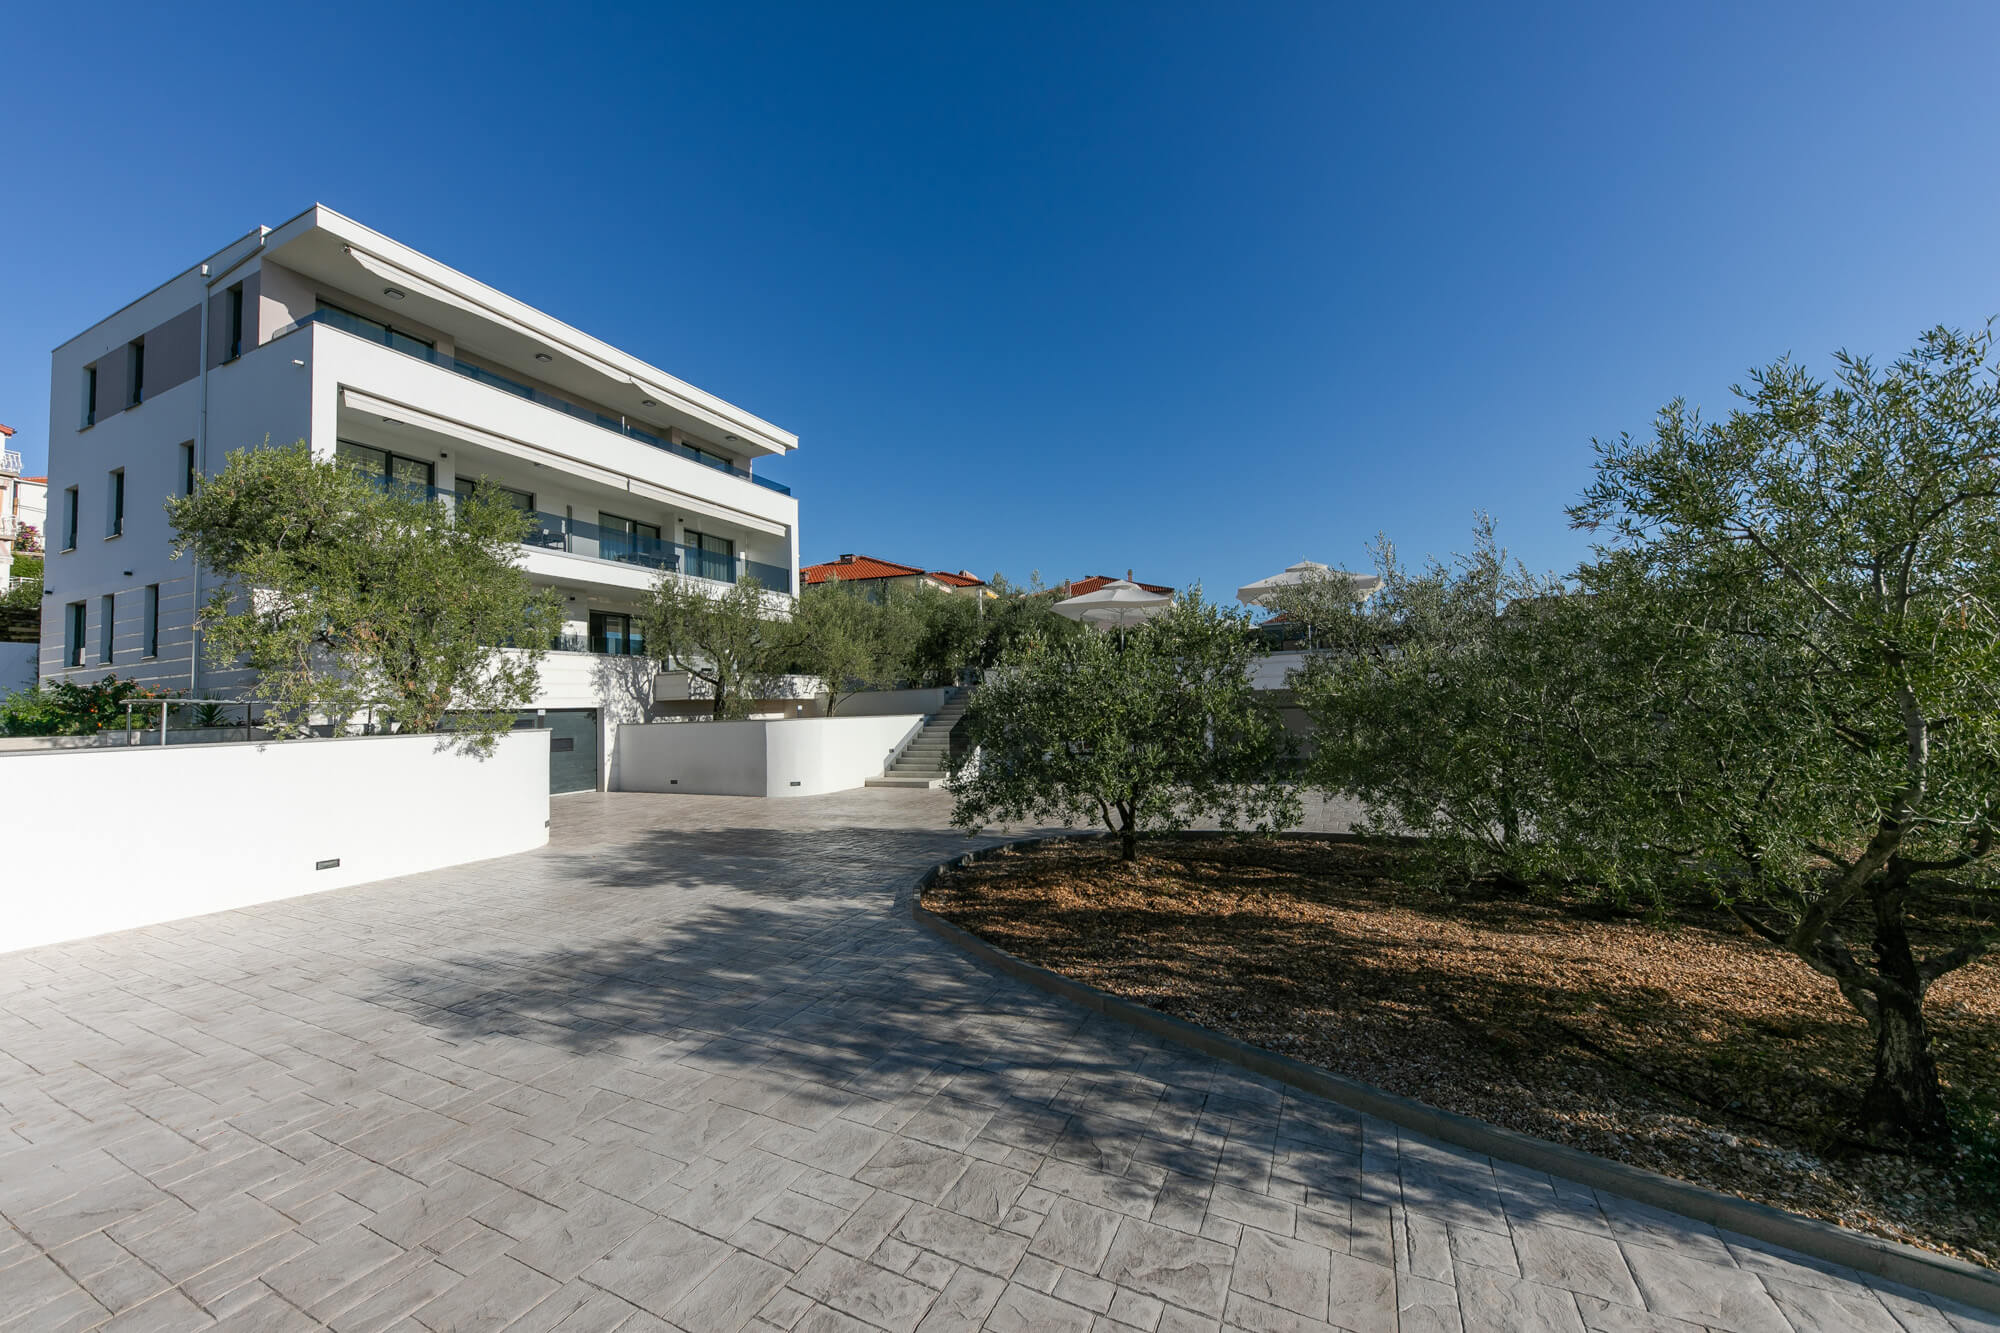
x: 692, y: 1067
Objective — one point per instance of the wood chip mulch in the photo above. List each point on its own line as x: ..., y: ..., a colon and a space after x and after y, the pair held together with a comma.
x: 1694, y: 1050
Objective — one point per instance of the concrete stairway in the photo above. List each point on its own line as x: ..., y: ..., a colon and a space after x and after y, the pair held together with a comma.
x: 924, y: 761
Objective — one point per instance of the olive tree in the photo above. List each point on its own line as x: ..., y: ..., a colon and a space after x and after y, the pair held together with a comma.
x: 848, y: 640
x: 1143, y: 731
x: 731, y: 639
x: 1464, y: 703
x: 1825, y: 561
x: 345, y: 595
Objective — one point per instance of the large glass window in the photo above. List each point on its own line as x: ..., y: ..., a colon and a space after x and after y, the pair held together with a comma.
x: 107, y: 629
x: 73, y: 630
x: 152, y: 620
x: 386, y: 467
x: 628, y: 539
x: 69, y: 519
x: 115, y: 525
x: 711, y: 557
x: 90, y: 395
x: 466, y: 487
x: 613, y: 632
x: 235, y: 321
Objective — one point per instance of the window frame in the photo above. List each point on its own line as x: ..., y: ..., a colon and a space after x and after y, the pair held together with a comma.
x: 72, y: 512
x: 235, y: 317
x: 75, y: 633
x: 151, y: 643
x: 107, y: 642
x: 116, y: 500
x: 135, y: 372
x: 89, y: 396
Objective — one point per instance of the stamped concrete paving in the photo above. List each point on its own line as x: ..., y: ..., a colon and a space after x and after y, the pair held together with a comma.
x: 691, y: 1067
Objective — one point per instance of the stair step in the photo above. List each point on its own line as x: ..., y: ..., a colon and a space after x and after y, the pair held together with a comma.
x: 900, y: 780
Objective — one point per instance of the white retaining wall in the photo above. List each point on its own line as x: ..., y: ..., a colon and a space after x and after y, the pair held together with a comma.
x: 793, y: 757
x: 873, y: 703
x: 108, y: 839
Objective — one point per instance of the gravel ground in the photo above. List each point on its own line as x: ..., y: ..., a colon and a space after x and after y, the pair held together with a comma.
x: 1694, y: 1051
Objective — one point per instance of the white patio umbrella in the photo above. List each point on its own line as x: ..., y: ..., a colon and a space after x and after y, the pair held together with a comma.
x: 1364, y: 585
x: 1118, y: 603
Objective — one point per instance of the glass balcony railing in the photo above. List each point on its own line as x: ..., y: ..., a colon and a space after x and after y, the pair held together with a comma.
x: 576, y: 536
x: 375, y: 333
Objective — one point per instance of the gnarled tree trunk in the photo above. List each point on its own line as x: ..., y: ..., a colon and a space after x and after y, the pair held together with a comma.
x: 1904, y: 1103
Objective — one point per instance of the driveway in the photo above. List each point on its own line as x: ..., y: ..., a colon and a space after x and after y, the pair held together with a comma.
x: 692, y: 1067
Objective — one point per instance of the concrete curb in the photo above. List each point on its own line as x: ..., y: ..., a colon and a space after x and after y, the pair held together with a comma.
x: 1938, y: 1274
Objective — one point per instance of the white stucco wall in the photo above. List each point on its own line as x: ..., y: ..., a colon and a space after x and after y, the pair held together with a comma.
x: 17, y: 666
x: 109, y: 839
x: 794, y: 757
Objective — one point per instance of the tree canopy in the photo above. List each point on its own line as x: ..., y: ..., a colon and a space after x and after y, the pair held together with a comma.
x: 731, y: 639
x: 346, y: 595
x: 1144, y: 731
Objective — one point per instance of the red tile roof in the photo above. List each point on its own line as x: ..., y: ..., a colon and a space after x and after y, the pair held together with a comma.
x: 858, y: 567
x: 6, y: 430
x: 863, y: 567
x: 1096, y: 581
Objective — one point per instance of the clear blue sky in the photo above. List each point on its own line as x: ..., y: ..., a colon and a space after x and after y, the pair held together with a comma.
x: 1195, y: 291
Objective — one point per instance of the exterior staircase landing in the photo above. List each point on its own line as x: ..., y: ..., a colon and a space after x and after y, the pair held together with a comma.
x: 924, y: 761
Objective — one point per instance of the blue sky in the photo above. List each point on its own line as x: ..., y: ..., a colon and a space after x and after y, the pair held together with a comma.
x: 1198, y: 291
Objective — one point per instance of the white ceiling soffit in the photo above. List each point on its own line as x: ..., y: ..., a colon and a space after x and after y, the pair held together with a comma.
x: 694, y: 506
x: 401, y: 278
x: 458, y: 430
x: 501, y: 444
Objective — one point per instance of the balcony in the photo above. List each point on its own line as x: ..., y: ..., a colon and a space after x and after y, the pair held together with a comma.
x: 396, y: 342
x: 10, y: 463
x: 575, y: 536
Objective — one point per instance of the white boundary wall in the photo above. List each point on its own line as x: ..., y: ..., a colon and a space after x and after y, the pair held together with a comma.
x: 803, y: 756
x: 109, y: 839
x: 19, y: 663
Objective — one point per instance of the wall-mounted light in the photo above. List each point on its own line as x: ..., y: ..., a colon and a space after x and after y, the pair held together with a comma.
x: 297, y: 361
x: 732, y: 439
x: 393, y: 293
x: 443, y: 454
x: 650, y: 402
x: 543, y: 356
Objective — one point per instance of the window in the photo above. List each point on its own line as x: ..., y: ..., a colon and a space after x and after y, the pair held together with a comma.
x: 613, y: 632
x: 90, y: 395
x: 69, y: 519
x: 711, y: 557
x: 187, y: 468
x: 152, y: 620
x: 116, y: 526
x: 136, y: 360
x: 629, y: 540
x: 73, y: 635
x: 235, y: 322
x: 107, y: 615
x: 386, y: 467
x: 466, y: 487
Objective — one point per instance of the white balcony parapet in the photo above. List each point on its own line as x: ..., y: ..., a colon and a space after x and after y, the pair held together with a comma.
x: 10, y: 462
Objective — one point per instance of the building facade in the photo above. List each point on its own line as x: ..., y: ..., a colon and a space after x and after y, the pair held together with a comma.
x: 324, y: 330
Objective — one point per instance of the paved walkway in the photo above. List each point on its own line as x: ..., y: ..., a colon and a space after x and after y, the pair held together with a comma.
x: 692, y: 1068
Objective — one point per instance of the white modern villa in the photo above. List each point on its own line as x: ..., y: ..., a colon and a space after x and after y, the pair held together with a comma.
x: 324, y: 330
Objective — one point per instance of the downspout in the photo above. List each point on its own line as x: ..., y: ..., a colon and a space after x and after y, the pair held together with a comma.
x: 201, y: 470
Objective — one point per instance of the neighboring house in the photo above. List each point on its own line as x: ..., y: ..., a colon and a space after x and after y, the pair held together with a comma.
x: 1078, y: 587
x: 873, y: 575
x: 21, y: 504
x: 324, y: 330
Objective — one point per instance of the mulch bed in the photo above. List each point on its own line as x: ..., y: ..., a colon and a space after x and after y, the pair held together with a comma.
x: 1693, y: 1050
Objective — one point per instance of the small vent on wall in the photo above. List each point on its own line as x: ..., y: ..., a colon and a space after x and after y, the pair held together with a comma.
x: 795, y: 782
x: 332, y: 863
